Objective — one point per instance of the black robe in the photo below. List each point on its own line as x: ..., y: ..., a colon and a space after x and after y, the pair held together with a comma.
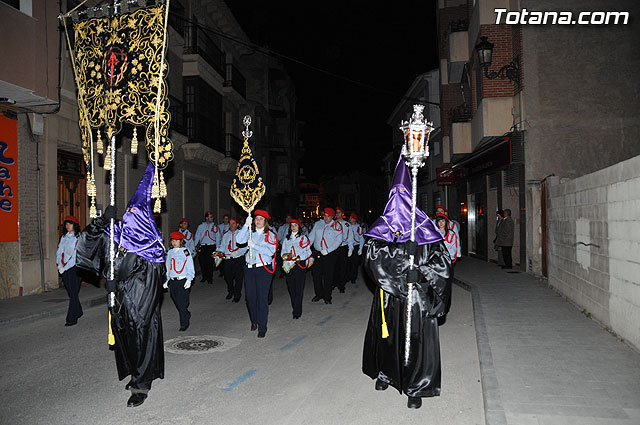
x: 135, y: 319
x: 383, y: 358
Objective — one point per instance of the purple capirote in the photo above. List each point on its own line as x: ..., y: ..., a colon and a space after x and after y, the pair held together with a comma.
x: 137, y: 232
x: 395, y: 223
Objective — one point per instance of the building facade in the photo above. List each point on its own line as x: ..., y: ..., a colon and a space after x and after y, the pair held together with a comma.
x: 215, y: 77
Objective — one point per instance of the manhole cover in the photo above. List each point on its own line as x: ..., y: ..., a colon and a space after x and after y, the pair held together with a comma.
x: 199, y: 344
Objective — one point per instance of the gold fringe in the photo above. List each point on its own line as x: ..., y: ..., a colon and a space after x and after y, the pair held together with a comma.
x: 157, y: 206
x: 93, y: 213
x: 134, y: 142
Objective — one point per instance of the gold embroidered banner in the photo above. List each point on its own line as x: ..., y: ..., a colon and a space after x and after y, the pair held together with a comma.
x: 118, y: 63
x: 247, y: 187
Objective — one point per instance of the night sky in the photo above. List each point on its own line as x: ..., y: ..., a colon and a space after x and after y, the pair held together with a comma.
x: 382, y: 46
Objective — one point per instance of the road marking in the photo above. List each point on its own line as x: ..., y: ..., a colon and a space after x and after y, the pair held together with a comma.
x: 293, y: 343
x: 240, y: 379
x: 325, y: 320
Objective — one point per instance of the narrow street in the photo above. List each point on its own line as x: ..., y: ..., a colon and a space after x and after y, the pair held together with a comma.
x: 306, y: 371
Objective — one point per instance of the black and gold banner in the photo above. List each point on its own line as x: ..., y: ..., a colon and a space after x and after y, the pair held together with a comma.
x: 247, y: 187
x: 118, y: 62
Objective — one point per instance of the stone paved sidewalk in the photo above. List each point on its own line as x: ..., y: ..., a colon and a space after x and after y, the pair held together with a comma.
x: 542, y: 361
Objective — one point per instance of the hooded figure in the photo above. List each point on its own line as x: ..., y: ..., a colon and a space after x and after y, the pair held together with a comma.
x: 139, y: 271
x: 387, y: 262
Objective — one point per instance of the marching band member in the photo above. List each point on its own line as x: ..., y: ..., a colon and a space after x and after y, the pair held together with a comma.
x: 450, y: 237
x: 190, y: 243
x: 343, y: 252
x: 357, y: 242
x: 296, y: 247
x: 66, y: 261
x: 234, y: 260
x: 206, y: 241
x: 326, y: 237
x: 180, y: 273
x: 260, y: 265
x: 224, y: 226
x: 452, y: 224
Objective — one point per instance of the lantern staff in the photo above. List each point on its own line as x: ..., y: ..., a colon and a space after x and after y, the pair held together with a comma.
x: 415, y: 151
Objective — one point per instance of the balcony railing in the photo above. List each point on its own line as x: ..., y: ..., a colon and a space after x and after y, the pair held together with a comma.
x: 236, y: 80
x: 197, y: 41
x: 458, y: 26
x: 176, y: 109
x: 233, y: 146
x: 461, y: 113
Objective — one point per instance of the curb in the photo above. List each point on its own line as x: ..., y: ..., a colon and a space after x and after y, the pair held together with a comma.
x: 53, y: 312
x: 493, y: 410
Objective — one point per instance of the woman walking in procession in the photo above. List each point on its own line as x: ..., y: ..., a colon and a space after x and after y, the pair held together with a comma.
x: 66, y: 261
x: 296, y: 249
x: 180, y: 273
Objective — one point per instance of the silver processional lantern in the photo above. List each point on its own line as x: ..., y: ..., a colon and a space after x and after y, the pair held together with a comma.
x: 415, y: 151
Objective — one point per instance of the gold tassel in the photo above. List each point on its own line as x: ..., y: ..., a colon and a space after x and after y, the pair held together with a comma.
x: 107, y: 160
x: 155, y: 190
x: 163, y: 186
x: 112, y: 338
x: 99, y: 145
x: 385, y: 330
x: 134, y: 142
x: 157, y: 206
x: 93, y: 213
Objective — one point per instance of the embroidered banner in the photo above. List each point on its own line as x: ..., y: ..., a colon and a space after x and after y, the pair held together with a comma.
x: 8, y: 179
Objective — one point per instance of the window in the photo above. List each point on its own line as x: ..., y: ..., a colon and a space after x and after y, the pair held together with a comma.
x: 13, y: 3
x: 203, y: 114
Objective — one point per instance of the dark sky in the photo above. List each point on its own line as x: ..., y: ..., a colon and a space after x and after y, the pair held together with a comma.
x: 383, y: 45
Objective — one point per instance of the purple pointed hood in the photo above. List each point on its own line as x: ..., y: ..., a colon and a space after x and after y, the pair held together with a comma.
x: 395, y: 223
x: 137, y: 232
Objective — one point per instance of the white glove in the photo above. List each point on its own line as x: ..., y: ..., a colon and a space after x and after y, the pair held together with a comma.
x: 251, y: 243
x: 187, y: 284
x: 248, y: 221
x: 165, y: 285
x: 60, y: 269
x: 349, y: 254
x: 324, y: 252
x: 359, y: 252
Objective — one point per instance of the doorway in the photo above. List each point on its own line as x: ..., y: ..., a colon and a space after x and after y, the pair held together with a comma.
x: 72, y: 190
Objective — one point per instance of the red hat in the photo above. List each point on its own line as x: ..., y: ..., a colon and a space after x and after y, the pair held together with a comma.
x: 209, y: 213
x: 226, y: 215
x: 442, y: 215
x: 177, y: 235
x: 354, y: 215
x: 442, y: 206
x: 262, y: 213
x: 295, y: 220
x: 329, y: 211
x: 184, y: 220
x: 71, y: 219
x: 234, y: 219
x: 339, y: 209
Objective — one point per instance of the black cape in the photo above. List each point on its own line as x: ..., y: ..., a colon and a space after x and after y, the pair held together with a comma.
x: 135, y: 319
x: 383, y: 358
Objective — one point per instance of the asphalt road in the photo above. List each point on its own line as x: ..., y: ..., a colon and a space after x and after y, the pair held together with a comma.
x: 305, y: 371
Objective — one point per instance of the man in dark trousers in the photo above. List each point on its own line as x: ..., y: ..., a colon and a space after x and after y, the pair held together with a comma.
x: 505, y: 238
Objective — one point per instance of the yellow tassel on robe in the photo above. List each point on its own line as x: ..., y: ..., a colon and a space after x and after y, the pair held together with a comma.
x: 385, y: 331
x: 112, y: 339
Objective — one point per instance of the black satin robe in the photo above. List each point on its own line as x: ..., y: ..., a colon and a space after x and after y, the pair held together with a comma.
x: 388, y: 263
x: 135, y: 319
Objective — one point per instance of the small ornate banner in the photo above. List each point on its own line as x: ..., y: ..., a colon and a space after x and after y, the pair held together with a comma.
x: 247, y: 187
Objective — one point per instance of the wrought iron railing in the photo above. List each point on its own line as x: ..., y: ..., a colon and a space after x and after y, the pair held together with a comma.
x: 233, y: 146
x: 236, y: 80
x: 197, y: 41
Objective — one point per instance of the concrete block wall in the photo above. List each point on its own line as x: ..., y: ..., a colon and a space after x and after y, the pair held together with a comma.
x: 594, y: 245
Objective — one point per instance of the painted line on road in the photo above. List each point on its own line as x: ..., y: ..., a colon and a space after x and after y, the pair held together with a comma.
x: 325, y: 320
x: 293, y: 343
x: 240, y: 379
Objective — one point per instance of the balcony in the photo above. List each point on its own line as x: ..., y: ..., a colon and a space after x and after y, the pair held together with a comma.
x: 492, y: 118
x: 176, y: 109
x: 235, y: 80
x: 458, y: 50
x: 233, y: 146
x: 198, y: 42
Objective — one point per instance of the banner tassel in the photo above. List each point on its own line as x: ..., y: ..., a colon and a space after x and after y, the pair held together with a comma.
x: 112, y: 338
x: 385, y: 330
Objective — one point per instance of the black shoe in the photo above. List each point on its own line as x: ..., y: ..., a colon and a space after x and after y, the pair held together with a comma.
x: 229, y: 296
x: 316, y: 299
x: 341, y: 290
x: 210, y: 282
x: 70, y: 324
x: 236, y: 300
x: 353, y: 282
x: 184, y: 328
x: 327, y: 301
x: 414, y: 402
x: 136, y: 399
x: 128, y: 386
x: 254, y: 326
x: 261, y: 334
x: 203, y: 280
x: 381, y: 385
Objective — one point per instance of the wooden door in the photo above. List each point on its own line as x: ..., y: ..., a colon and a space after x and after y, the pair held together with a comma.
x: 72, y: 190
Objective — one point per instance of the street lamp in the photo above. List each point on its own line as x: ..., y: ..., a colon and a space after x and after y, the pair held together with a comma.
x: 511, y: 71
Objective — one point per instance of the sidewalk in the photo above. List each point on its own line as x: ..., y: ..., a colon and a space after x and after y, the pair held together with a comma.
x: 542, y: 361
x: 18, y: 310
